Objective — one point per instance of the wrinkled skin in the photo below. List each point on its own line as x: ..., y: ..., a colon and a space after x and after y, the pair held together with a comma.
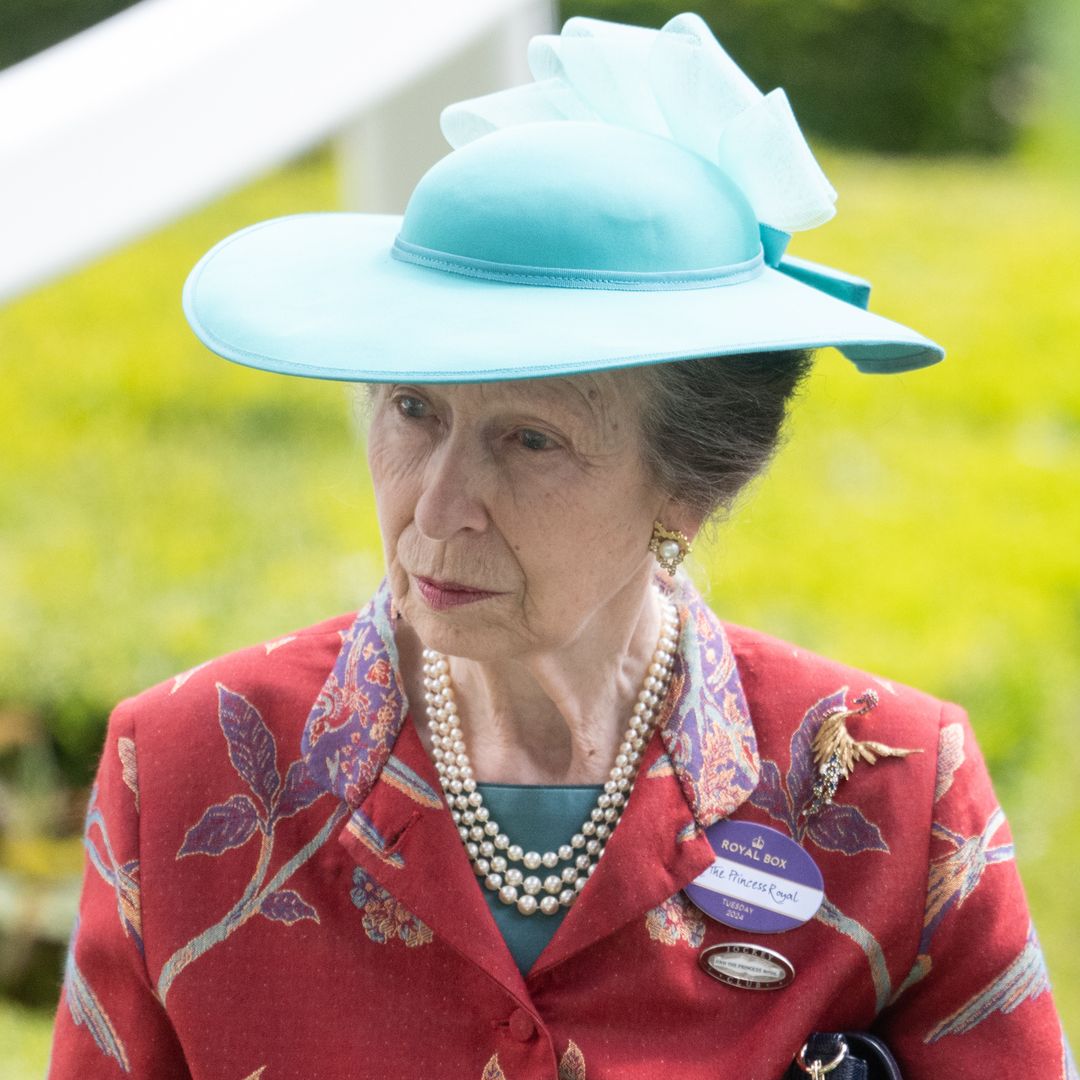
x: 536, y: 492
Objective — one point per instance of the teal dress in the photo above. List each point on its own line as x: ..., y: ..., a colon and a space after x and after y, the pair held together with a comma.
x: 539, y: 819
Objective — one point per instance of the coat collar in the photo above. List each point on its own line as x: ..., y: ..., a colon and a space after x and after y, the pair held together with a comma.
x: 701, y: 766
x: 707, y: 733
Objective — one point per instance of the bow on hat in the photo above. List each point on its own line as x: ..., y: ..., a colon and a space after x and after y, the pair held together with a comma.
x: 677, y: 83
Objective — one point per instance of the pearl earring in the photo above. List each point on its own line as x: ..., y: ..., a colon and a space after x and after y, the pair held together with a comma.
x: 670, y: 548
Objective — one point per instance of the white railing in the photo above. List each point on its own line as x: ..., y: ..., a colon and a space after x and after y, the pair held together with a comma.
x: 172, y: 102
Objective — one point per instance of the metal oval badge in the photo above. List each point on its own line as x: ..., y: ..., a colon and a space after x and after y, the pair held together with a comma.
x: 748, y: 967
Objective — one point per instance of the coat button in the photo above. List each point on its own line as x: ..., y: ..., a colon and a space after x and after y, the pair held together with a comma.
x: 521, y: 1025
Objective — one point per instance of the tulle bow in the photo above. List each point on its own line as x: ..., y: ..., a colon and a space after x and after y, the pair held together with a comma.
x: 677, y: 83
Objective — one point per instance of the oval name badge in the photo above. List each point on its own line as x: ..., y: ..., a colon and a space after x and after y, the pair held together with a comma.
x: 760, y: 881
x: 748, y: 967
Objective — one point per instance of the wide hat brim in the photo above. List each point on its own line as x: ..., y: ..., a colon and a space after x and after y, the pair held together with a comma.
x: 321, y: 296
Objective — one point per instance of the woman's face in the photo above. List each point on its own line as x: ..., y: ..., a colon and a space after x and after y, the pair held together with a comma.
x: 514, y: 515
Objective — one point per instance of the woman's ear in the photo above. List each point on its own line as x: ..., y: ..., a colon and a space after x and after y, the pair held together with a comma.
x: 676, y: 516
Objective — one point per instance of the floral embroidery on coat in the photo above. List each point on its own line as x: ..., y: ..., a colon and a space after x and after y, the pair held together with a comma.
x: 83, y: 1004
x: 690, y: 831
x: 398, y: 775
x: 360, y: 709
x: 956, y: 872
x: 572, y: 1063
x: 950, y: 758
x: 1024, y: 979
x: 363, y: 828
x: 493, y: 1070
x: 179, y: 681
x: 675, y: 920
x: 833, y: 917
x: 706, y: 728
x: 954, y: 875
x: 86, y: 1010
x: 385, y: 919
x: 231, y: 824
x: 125, y: 750
x: 123, y: 877
x: 270, y: 646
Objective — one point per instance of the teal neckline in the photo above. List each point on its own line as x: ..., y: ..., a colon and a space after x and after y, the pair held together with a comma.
x: 539, y: 817
x: 539, y: 788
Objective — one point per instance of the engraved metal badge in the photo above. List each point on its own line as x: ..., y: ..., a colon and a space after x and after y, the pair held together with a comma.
x: 748, y: 967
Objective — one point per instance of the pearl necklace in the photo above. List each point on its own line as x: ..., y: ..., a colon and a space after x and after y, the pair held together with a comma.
x: 489, y: 849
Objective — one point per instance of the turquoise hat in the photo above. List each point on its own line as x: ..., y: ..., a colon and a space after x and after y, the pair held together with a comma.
x: 630, y: 206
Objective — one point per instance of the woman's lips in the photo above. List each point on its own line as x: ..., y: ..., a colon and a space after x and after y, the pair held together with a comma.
x: 447, y: 594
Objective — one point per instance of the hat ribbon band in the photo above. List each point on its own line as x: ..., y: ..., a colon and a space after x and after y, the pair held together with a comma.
x: 558, y: 277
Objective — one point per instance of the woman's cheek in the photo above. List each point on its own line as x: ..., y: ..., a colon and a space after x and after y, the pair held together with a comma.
x: 394, y: 455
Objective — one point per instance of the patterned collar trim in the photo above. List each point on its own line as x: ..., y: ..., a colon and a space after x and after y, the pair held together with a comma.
x: 707, y: 731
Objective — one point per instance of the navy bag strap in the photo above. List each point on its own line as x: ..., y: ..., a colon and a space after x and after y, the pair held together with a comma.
x: 850, y: 1055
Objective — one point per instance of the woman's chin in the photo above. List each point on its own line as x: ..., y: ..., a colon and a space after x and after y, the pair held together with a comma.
x: 464, y: 630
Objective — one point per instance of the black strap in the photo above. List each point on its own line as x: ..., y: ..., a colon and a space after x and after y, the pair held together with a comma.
x: 867, y: 1057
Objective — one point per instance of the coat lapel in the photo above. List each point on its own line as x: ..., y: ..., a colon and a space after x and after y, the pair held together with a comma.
x: 359, y: 745
x: 403, y: 837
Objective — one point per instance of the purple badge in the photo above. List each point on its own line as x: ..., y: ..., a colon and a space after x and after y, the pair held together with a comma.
x: 760, y: 881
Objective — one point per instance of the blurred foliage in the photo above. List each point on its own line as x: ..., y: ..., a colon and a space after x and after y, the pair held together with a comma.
x: 28, y: 26
x: 1053, y: 136
x: 140, y: 535
x: 25, y: 1035
x: 160, y: 506
x: 926, y: 76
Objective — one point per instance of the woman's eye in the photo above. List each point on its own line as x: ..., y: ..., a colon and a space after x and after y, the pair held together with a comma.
x: 411, y: 406
x: 534, y: 440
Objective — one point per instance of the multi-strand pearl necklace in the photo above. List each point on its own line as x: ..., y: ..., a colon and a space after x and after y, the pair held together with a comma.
x: 495, y: 859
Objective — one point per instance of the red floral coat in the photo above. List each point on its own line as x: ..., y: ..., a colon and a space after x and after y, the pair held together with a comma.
x: 275, y: 889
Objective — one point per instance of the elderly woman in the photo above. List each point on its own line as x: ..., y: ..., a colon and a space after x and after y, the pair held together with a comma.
x: 536, y: 811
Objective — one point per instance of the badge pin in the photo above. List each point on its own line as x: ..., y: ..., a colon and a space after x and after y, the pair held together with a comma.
x: 761, y: 880
x: 747, y: 967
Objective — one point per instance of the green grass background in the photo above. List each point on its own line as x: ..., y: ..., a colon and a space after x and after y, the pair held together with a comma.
x: 159, y: 506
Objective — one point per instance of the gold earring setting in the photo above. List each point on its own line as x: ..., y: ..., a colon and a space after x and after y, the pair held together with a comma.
x: 669, y: 547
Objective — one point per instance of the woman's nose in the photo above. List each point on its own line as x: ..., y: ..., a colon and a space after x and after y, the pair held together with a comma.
x: 450, y: 498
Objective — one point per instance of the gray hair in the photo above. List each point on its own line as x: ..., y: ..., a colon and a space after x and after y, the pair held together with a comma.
x: 711, y: 425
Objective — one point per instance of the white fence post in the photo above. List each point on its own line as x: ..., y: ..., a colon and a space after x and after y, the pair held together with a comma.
x: 385, y: 151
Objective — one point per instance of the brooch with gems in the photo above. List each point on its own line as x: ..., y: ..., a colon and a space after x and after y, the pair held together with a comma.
x: 836, y: 752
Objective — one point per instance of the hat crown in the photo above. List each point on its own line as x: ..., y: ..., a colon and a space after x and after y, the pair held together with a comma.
x: 581, y: 196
